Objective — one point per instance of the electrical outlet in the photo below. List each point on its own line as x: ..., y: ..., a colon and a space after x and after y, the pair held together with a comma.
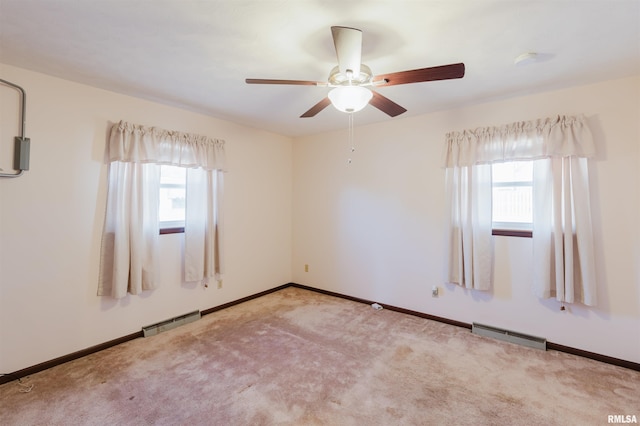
x: 220, y: 284
x: 434, y: 291
x: 306, y: 267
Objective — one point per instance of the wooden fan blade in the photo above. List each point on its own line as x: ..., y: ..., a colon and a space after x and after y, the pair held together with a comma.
x: 348, y: 44
x: 386, y: 105
x: 294, y: 82
x: 443, y: 72
x: 317, y: 108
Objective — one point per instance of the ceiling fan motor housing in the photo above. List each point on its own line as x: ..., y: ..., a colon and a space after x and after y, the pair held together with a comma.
x: 337, y: 78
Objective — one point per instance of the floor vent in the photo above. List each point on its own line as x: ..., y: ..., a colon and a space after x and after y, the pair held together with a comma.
x: 509, y: 336
x: 154, y: 329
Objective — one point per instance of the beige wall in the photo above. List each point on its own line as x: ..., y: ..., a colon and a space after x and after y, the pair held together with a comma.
x: 373, y: 229
x: 51, y: 220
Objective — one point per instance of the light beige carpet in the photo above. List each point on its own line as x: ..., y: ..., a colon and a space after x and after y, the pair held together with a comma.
x: 296, y: 357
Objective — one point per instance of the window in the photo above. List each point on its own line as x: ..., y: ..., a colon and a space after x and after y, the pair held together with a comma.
x: 172, y: 199
x: 129, y: 253
x: 512, y: 198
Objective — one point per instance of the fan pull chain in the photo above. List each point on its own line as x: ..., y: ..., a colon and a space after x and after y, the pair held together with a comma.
x: 350, y: 136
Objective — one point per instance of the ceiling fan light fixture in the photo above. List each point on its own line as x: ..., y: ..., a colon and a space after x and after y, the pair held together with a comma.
x: 350, y: 98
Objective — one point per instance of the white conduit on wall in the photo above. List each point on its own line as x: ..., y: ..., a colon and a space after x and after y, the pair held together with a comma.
x: 22, y: 144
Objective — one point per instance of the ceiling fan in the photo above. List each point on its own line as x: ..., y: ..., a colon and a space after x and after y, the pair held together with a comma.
x: 351, y: 80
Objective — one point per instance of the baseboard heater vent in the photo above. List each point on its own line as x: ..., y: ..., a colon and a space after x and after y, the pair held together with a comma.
x: 154, y: 329
x: 509, y: 336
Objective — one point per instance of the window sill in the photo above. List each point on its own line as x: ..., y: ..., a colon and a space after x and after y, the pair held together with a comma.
x: 176, y: 230
x: 498, y: 232
x: 512, y: 233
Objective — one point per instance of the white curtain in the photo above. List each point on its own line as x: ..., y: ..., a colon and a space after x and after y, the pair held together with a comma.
x: 469, y: 247
x: 129, y: 258
x: 130, y: 235
x: 563, y: 258
x: 203, y: 230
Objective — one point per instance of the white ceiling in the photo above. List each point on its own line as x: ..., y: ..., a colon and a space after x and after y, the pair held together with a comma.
x: 196, y: 54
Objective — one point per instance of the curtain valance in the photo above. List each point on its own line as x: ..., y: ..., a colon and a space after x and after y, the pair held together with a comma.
x: 134, y: 143
x: 560, y: 136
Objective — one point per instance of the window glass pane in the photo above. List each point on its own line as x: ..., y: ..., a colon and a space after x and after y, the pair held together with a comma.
x: 514, y: 171
x: 512, y: 195
x: 512, y: 204
x: 172, y: 194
